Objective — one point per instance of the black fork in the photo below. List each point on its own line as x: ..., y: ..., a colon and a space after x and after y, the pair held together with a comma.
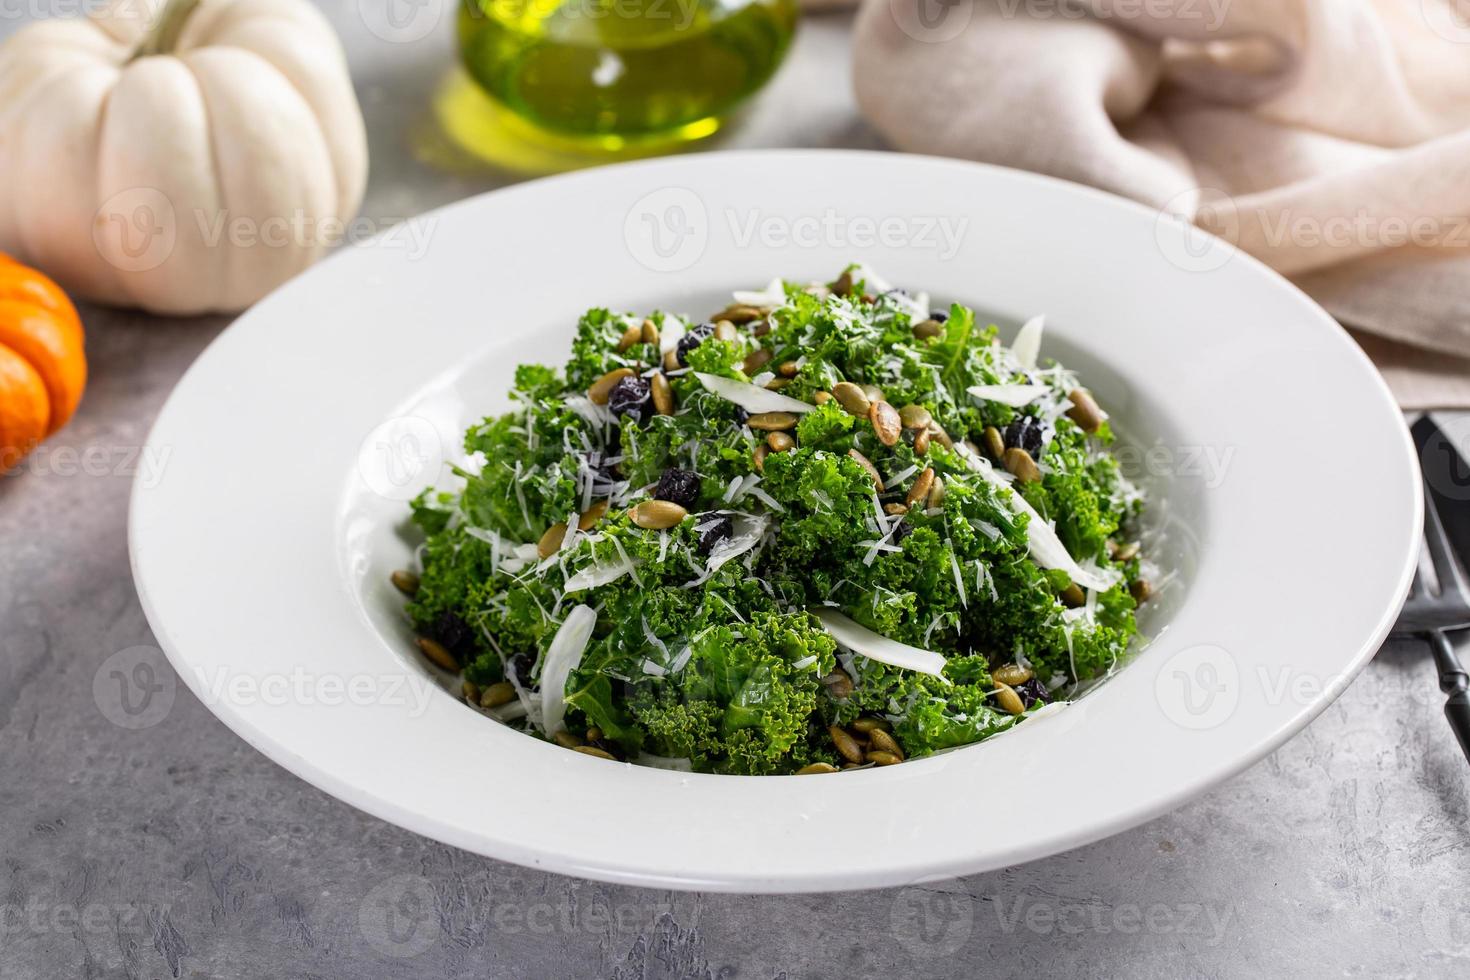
x: 1432, y: 610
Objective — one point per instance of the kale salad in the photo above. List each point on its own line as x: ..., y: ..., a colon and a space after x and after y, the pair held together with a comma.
x: 828, y: 528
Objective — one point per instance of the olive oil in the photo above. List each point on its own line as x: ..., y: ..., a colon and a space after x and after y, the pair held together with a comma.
x: 614, y: 74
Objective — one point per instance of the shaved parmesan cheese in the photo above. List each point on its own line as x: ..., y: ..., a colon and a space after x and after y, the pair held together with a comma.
x: 1012, y: 395
x: 874, y: 646
x: 670, y: 334
x: 1028, y: 342
x: 751, y: 398
x: 599, y: 573
x: 773, y: 295
x: 1045, y: 548
x: 563, y: 657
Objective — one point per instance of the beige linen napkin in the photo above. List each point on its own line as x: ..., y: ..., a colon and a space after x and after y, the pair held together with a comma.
x: 1329, y: 138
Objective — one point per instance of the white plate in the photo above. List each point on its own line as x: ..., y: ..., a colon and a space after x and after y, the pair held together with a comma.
x: 262, y: 554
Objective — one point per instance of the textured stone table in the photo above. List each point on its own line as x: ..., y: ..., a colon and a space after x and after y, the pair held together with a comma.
x: 175, y: 850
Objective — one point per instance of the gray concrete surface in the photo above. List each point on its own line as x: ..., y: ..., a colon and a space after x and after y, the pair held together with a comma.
x: 175, y: 850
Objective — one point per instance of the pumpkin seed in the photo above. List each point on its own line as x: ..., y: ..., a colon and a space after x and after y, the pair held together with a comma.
x: 895, y: 509
x: 1127, y: 552
x: 776, y: 384
x: 838, y: 684
x: 1084, y: 410
x: 1010, y: 702
x: 593, y: 750
x: 594, y: 734
x: 872, y: 393
x: 881, y: 741
x: 883, y: 759
x: 867, y: 464
x: 867, y: 724
x: 501, y: 692
x: 772, y: 421
x: 780, y: 442
x: 1020, y: 463
x: 935, y: 432
x: 725, y: 330
x: 921, y: 443
x: 847, y: 746
x: 671, y: 361
x: 1073, y: 597
x: 405, y: 582
x: 815, y: 768
x: 886, y: 423
x: 936, y: 496
x: 436, y: 652
x: 788, y: 369
x: 566, y: 739
x: 822, y: 397
x: 550, y: 542
x: 760, y: 328
x: 592, y: 515
x: 655, y: 515
x: 842, y: 285
x: 663, y: 395
x: 995, y: 444
x: 1011, y: 674
x: 603, y: 386
x: 629, y: 338
x: 759, y: 457
x: 919, y: 492
x: 851, y: 398
x: 739, y: 314
x: 756, y: 360
x: 471, y: 692
x: 1141, y: 590
x: 925, y: 329
x: 915, y: 417
x: 648, y: 333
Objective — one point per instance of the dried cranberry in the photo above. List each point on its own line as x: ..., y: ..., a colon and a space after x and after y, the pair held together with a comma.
x: 455, y: 635
x: 1032, y: 692
x: 519, y: 668
x: 714, y: 528
x: 691, y: 340
x: 630, y: 396
x: 678, y: 486
x: 1026, y: 432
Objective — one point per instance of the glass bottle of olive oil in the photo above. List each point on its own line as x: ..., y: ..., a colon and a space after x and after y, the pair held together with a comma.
x: 614, y: 74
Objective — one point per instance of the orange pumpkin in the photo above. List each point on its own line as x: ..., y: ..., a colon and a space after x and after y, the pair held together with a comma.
x: 42, y: 365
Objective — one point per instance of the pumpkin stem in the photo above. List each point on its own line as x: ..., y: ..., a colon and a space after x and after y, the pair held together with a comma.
x: 163, y: 34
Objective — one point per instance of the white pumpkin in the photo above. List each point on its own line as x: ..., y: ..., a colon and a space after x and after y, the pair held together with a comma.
x: 185, y: 157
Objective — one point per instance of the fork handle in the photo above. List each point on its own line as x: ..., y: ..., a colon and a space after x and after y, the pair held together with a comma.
x: 1454, y: 682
